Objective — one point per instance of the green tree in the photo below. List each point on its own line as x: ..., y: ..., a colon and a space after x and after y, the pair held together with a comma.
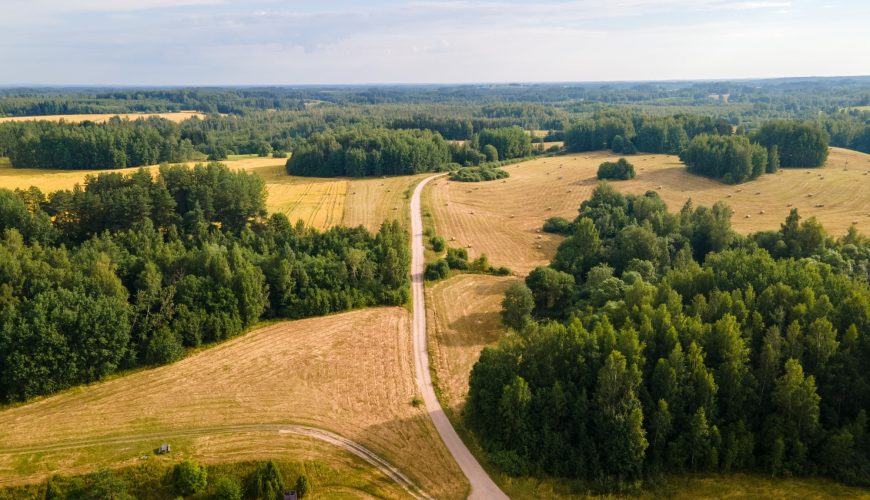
x: 227, y: 488
x: 189, y: 478
x: 517, y: 306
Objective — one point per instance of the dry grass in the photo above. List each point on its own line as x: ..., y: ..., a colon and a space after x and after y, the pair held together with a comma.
x: 463, y: 318
x: 179, y: 116
x: 319, y: 202
x: 372, y: 201
x: 501, y: 218
x: 350, y: 374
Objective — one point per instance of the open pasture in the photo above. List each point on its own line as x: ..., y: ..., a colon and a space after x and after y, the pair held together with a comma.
x: 179, y: 116
x: 350, y: 374
x: 502, y: 218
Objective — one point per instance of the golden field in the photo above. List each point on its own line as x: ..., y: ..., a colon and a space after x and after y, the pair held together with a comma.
x: 502, y: 218
x: 179, y: 116
x: 350, y: 374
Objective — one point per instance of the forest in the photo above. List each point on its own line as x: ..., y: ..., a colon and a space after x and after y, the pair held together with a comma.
x: 660, y: 342
x: 131, y: 270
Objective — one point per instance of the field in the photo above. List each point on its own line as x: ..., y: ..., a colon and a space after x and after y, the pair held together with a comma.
x: 502, y: 218
x: 350, y: 374
x: 320, y: 203
x: 100, y: 118
x: 463, y: 317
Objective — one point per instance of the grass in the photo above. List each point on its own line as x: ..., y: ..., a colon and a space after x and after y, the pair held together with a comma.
x: 319, y: 202
x: 350, y: 374
x: 502, y: 218
x: 99, y: 118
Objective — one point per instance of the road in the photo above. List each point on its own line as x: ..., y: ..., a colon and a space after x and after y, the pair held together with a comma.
x: 481, y: 485
x: 329, y: 437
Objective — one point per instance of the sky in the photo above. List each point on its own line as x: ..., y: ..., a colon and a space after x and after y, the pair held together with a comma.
x: 287, y: 42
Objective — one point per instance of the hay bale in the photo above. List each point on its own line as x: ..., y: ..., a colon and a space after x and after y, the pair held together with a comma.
x: 748, y: 216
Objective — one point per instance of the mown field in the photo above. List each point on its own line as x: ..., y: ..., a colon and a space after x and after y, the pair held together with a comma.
x: 319, y: 202
x: 350, y: 374
x: 179, y: 116
x: 502, y: 218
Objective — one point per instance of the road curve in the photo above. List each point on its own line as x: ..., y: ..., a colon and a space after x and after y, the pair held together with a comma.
x: 481, y: 485
x: 323, y: 435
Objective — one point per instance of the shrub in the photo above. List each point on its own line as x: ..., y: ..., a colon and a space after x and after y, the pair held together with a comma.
x: 189, y: 477
x: 457, y: 258
x: 557, y: 225
x: 437, y: 243
x: 479, y: 174
x: 303, y: 487
x: 436, y: 270
x: 620, y: 170
x: 227, y: 488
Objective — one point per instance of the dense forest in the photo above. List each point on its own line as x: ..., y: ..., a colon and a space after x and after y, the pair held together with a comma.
x: 661, y: 342
x: 130, y: 270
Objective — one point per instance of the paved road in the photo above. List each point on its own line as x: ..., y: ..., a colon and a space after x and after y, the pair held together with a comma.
x: 351, y: 446
x: 481, y: 484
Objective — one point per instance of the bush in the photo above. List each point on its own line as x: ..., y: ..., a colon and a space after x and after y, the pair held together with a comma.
x: 303, y: 487
x: 480, y: 265
x: 437, y: 243
x: 279, y: 154
x: 620, y: 170
x: 479, y: 174
x: 501, y: 271
x: 227, y: 488
x: 436, y: 270
x: 457, y: 258
x: 557, y: 225
x: 189, y: 477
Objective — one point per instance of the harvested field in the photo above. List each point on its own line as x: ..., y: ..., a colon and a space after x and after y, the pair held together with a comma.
x: 372, y: 201
x: 350, y: 374
x: 463, y: 318
x: 179, y: 116
x: 319, y: 202
x: 501, y: 218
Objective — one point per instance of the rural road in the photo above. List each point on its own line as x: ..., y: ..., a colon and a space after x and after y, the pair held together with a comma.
x: 481, y: 485
x: 329, y: 437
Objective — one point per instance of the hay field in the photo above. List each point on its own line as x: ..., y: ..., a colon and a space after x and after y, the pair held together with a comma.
x: 500, y: 218
x: 179, y: 116
x: 319, y: 202
x: 463, y: 317
x: 349, y: 373
x: 372, y: 201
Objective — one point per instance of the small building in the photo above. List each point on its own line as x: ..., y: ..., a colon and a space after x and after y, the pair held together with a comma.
x: 290, y: 495
x: 164, y: 448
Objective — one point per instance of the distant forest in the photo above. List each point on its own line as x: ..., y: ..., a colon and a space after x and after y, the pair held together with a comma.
x: 648, y: 117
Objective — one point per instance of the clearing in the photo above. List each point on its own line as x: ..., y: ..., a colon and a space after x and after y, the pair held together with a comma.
x: 319, y: 202
x: 502, y: 218
x: 350, y: 374
x: 178, y: 116
x: 463, y: 318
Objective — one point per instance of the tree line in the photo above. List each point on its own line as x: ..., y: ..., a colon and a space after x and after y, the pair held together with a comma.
x: 131, y: 270
x: 663, y: 343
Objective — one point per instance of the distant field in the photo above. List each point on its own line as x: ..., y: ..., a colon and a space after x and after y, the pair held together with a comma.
x: 180, y: 116
x: 319, y: 202
x: 463, y: 317
x: 501, y: 218
x: 349, y: 373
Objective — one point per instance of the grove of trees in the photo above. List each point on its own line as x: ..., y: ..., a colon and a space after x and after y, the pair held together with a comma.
x: 729, y: 158
x: 660, y: 342
x: 131, y: 270
x: 620, y: 169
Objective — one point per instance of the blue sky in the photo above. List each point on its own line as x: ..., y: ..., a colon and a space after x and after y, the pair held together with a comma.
x: 257, y: 42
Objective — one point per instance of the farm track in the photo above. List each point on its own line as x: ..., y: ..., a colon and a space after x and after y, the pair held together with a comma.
x: 323, y: 435
x: 482, y: 486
